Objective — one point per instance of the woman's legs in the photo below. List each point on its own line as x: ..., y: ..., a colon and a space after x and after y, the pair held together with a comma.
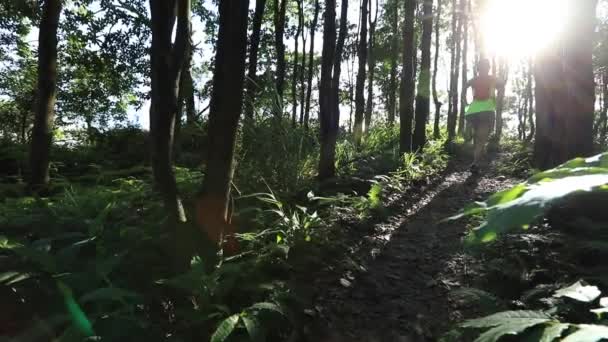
x: 482, y: 129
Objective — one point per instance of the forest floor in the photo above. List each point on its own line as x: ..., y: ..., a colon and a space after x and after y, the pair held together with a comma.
x: 410, y: 264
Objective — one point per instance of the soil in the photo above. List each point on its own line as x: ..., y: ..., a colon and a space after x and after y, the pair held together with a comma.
x: 405, y: 270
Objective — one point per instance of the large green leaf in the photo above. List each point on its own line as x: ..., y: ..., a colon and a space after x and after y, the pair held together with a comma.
x: 225, y: 329
x: 580, y: 292
x: 254, y: 327
x: 269, y: 307
x: 588, y: 333
x: 518, y: 207
x: 553, y: 332
x: 508, y: 317
x: 510, y: 328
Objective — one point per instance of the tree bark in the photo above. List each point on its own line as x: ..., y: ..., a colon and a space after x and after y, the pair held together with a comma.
x: 371, y: 66
x: 296, y: 66
x: 565, y: 91
x: 603, y: 119
x: 337, y: 67
x: 311, y: 59
x: 254, y: 46
x: 503, y: 74
x: 213, y: 202
x: 530, y: 91
x: 280, y: 8
x: 408, y: 83
x: 465, y: 55
x: 438, y: 104
x: 455, y: 73
x: 327, y: 167
x: 303, y: 65
x: 361, y: 75
x: 423, y: 97
x: 167, y: 63
x: 394, y: 56
x: 42, y: 132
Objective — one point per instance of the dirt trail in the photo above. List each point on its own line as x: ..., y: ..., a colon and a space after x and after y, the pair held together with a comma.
x: 403, y: 291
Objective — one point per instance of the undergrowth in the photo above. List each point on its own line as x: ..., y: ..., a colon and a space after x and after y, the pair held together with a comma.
x: 91, y: 260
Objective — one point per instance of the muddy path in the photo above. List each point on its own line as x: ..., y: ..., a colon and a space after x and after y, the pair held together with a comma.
x: 402, y: 289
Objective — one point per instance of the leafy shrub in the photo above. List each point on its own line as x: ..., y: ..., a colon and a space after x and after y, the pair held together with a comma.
x: 518, y: 207
x: 546, y: 325
x: 274, y: 153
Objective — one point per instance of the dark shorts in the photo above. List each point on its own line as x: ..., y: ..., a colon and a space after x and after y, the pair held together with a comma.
x: 483, y: 119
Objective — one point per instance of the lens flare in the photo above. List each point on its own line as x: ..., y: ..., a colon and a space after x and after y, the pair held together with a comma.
x: 520, y: 28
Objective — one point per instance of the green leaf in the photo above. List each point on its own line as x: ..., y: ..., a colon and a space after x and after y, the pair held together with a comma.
x: 511, y: 328
x: 508, y: 317
x: 588, y: 333
x: 580, y: 292
x: 6, y: 244
x: 9, y: 278
x: 225, y: 329
x: 553, y: 332
x: 539, y: 197
x: 268, y: 306
x: 253, y: 326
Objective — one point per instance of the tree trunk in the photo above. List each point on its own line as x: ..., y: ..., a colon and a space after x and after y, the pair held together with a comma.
x: 296, y: 66
x: 464, y: 15
x: 423, y: 98
x: 503, y: 74
x: 565, y: 91
x: 455, y: 73
x: 167, y: 63
x: 303, y: 65
x: 361, y: 75
x: 42, y: 132
x: 371, y: 66
x: 603, y: 124
x: 438, y: 104
x: 311, y: 59
x: 408, y: 83
x: 213, y: 202
x: 254, y: 46
x: 530, y: 91
x: 280, y: 8
x: 337, y: 67
x: 392, y: 87
x: 327, y: 168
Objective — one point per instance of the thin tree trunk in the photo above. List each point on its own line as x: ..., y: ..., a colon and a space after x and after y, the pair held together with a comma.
x: 280, y: 8
x: 408, y: 83
x: 530, y: 90
x: 423, y: 98
x: 392, y: 87
x: 311, y: 58
x: 603, y: 120
x: 361, y: 75
x: 42, y: 132
x: 371, y: 66
x: 465, y: 55
x: 296, y: 65
x: 165, y: 84
x: 438, y: 104
x: 455, y: 71
x: 303, y: 65
x: 327, y: 168
x: 254, y: 46
x: 337, y: 67
x: 213, y: 214
x: 503, y: 71
x: 185, y: 98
